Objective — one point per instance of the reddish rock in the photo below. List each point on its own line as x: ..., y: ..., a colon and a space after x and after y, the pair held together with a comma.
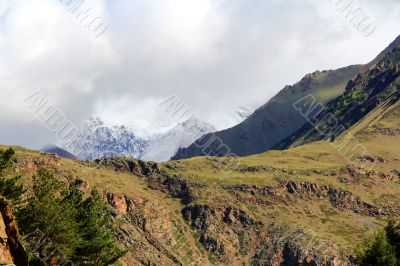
x: 33, y: 164
x: 11, y: 248
x: 121, y: 203
x: 82, y: 185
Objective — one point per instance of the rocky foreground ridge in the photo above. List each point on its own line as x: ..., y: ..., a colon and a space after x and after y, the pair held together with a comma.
x: 11, y: 249
x: 305, y: 206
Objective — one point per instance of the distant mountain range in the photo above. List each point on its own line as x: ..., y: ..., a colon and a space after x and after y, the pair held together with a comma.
x: 98, y: 140
x: 270, y: 125
x: 57, y: 150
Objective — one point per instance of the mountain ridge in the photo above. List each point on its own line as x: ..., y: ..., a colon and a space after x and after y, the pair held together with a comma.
x: 268, y: 124
x: 277, y: 119
x: 97, y: 140
x: 378, y: 85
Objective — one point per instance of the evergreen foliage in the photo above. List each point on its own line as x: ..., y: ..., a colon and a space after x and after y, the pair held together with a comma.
x: 79, y: 227
x: 383, y: 249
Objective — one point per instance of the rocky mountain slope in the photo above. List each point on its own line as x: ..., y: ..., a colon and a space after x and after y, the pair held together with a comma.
x: 303, y: 206
x: 57, y: 150
x: 11, y: 248
x: 372, y: 91
x: 277, y: 119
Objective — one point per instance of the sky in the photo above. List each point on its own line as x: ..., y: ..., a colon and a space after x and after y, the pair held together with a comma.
x: 214, y: 55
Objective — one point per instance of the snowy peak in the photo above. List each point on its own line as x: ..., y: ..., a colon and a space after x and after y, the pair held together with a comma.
x: 97, y: 140
x: 195, y: 127
x: 183, y: 135
x: 231, y: 118
x: 244, y: 112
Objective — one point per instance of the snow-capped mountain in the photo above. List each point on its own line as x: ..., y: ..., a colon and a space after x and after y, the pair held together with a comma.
x: 99, y: 140
x: 243, y: 112
x: 183, y: 135
x: 232, y: 118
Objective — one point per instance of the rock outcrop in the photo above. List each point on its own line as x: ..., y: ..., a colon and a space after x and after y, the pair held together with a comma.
x: 11, y: 248
x: 126, y: 165
x: 175, y: 186
x: 341, y: 199
x: 33, y: 164
x: 121, y: 204
x: 225, y: 231
x: 147, y: 215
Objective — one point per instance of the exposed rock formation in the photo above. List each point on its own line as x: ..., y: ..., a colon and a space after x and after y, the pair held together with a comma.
x: 341, y: 199
x: 175, y: 186
x: 120, y: 203
x: 11, y: 249
x: 199, y: 216
x: 82, y: 185
x: 126, y: 165
x: 32, y: 165
x: 227, y: 230
x: 388, y: 131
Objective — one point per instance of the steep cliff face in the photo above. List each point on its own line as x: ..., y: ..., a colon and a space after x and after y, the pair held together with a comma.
x: 11, y: 248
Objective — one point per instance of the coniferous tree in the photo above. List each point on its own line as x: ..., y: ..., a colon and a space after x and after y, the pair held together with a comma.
x: 379, y: 252
x: 393, y: 235
x: 6, y: 159
x: 98, y: 246
x: 9, y: 187
x: 81, y: 228
x: 48, y: 212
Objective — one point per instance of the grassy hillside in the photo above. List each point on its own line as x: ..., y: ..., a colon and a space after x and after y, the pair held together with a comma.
x: 317, y: 164
x: 276, y: 206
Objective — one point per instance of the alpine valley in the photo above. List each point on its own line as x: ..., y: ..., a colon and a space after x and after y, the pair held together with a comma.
x: 297, y: 196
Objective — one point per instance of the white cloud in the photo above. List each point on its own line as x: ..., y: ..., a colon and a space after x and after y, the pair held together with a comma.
x: 215, y: 55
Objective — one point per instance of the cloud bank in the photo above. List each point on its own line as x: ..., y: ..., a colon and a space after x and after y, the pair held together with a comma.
x: 215, y: 55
